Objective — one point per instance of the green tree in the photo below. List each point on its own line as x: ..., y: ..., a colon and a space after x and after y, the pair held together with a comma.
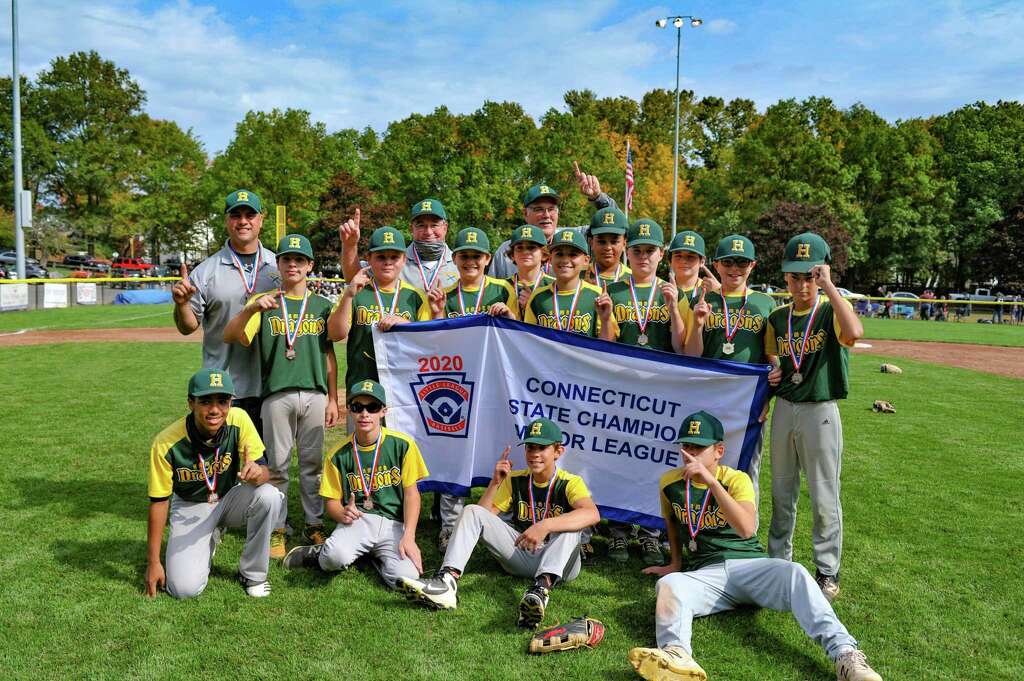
x: 784, y: 220
x: 37, y: 149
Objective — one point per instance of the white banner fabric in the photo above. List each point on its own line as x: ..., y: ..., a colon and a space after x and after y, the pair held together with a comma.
x: 465, y: 388
x: 55, y: 295
x: 85, y: 294
x: 13, y: 296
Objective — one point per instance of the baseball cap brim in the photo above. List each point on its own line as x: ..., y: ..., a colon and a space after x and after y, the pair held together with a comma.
x: 365, y: 393
x: 540, y: 440
x: 702, y: 441
x: 645, y: 240
x: 378, y: 249
x: 607, y: 229
x: 236, y: 204
x: 471, y: 247
x: 800, y: 266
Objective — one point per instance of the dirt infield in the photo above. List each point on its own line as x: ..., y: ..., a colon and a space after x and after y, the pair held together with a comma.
x: 987, y: 358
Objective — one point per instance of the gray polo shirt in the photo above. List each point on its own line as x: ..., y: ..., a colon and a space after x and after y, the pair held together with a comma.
x: 220, y: 295
x: 502, y: 266
x: 411, y: 272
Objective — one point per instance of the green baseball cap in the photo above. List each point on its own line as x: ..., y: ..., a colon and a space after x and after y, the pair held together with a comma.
x: 687, y: 241
x: 528, y: 233
x: 542, y: 432
x: 608, y: 221
x: 645, y: 231
x: 294, y: 243
x: 210, y: 382
x: 386, y: 238
x: 369, y: 388
x: 428, y: 207
x: 700, y: 428
x: 243, y: 197
x: 540, y: 191
x: 804, y: 251
x: 569, y: 237
x: 472, y: 239
x: 735, y: 246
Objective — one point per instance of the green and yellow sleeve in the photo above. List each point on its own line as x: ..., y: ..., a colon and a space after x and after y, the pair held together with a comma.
x: 503, y: 495
x: 330, y: 482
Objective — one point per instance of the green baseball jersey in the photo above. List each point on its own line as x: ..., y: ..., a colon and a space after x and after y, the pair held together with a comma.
x: 620, y: 273
x: 174, y: 460
x: 824, y: 367
x: 717, y: 541
x: 495, y: 291
x: 399, y: 465
x: 513, y: 496
x: 540, y: 309
x: 308, y: 369
x: 749, y: 341
x: 626, y: 323
x: 366, y: 311
x: 521, y: 285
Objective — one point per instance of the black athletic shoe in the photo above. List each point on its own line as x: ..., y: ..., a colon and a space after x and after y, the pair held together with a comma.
x: 532, y: 605
x: 828, y: 584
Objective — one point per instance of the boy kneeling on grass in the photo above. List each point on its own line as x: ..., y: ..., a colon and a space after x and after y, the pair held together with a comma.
x: 376, y: 471
x: 549, y: 507
x: 196, y: 469
x: 714, y: 505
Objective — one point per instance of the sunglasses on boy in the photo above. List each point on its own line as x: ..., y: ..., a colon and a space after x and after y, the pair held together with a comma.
x: 360, y: 407
x: 741, y: 263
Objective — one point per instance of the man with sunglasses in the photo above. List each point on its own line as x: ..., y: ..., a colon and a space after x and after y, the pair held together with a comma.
x: 219, y: 288
x: 732, y: 323
x: 207, y: 472
x: 369, y: 484
x: 540, y: 209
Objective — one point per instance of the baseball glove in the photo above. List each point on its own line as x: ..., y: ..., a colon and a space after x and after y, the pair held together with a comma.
x: 576, y: 633
x: 891, y: 369
x: 883, y: 407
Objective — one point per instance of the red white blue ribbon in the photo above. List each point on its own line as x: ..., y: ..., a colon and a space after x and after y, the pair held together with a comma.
x: 572, y: 308
x: 797, y: 361
x: 291, y: 333
x: 367, y: 486
x: 636, y: 303
x: 248, y: 282
x: 689, y: 514
x: 731, y: 333
x: 547, y: 498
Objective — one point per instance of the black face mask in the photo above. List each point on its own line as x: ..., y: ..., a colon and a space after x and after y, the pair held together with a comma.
x: 429, y: 250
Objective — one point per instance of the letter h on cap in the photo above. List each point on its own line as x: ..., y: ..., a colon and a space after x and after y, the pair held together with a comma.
x: 535, y: 430
x: 694, y: 428
x: 216, y: 380
x: 803, y: 251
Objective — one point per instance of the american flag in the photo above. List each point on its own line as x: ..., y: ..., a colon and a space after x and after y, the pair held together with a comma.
x: 629, y: 178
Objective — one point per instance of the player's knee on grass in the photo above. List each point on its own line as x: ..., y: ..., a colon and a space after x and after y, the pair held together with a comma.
x: 391, y: 570
x: 667, y: 602
x: 335, y: 555
x: 182, y: 586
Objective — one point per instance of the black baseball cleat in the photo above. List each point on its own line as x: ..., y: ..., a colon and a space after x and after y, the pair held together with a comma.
x: 532, y: 605
x: 303, y: 557
x: 828, y: 584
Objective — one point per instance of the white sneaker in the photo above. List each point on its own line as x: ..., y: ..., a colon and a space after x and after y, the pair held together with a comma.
x: 439, y: 592
x: 255, y: 589
x: 853, y: 666
x: 666, y: 664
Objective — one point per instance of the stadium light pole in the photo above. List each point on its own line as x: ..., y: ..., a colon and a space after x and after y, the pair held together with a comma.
x: 678, y: 22
x: 19, y: 233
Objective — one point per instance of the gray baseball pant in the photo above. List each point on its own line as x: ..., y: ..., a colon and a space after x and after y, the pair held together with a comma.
x: 622, y: 530
x: 195, y: 534
x: 765, y: 582
x: 371, y: 534
x: 560, y: 555
x: 451, y: 509
x: 296, y: 417
x: 807, y: 436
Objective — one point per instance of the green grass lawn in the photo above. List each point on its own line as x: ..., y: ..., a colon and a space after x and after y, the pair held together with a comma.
x: 931, y: 583
x: 89, y: 317
x: 947, y: 332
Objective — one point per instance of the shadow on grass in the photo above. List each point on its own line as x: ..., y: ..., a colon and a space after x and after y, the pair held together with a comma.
x: 114, y: 560
x: 81, y: 498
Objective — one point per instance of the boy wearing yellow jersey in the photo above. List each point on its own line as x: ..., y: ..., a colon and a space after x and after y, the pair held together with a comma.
x: 549, y: 508
x: 607, y: 240
x: 528, y: 248
x: 711, y: 508
x: 475, y: 292
x: 567, y: 304
x: 300, y: 377
x: 207, y: 472
x: 812, y: 335
x: 369, y: 483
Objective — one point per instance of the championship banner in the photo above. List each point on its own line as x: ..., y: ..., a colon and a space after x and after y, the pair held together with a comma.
x: 466, y: 388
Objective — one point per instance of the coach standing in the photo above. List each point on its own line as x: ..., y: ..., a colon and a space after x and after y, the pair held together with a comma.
x: 218, y: 289
x: 540, y: 209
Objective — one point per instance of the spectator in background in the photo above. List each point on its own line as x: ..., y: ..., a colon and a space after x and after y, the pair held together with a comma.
x: 997, y: 310
x: 926, y: 304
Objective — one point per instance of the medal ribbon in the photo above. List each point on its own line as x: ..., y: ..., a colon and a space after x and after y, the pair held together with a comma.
x: 572, y: 309
x: 533, y: 289
x: 689, y: 515
x: 636, y: 303
x: 211, y: 486
x: 730, y: 334
x: 597, y: 274
x: 380, y: 301
x: 248, y: 283
x: 290, y: 336
x: 367, y: 486
x: 797, y: 361
x: 479, y: 298
x: 427, y: 285
x: 547, y: 499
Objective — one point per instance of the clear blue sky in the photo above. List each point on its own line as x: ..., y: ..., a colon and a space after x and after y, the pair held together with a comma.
x: 353, y: 64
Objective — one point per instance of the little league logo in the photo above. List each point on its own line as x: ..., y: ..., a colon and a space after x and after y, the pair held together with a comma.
x: 445, y: 401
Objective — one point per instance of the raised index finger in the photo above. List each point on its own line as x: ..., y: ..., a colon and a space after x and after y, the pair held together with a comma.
x: 358, y: 215
x: 506, y: 453
x: 576, y: 168
x: 184, y: 271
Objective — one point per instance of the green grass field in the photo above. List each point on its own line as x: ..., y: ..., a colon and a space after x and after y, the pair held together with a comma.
x: 946, y: 332
x: 931, y: 582
x: 88, y: 317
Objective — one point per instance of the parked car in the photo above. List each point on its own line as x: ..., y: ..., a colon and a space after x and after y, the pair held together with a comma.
x: 131, y: 265
x: 849, y: 295
x: 907, y: 309
x: 84, y: 262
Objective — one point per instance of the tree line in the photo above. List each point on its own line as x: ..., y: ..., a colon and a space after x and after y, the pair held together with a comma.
x: 917, y: 200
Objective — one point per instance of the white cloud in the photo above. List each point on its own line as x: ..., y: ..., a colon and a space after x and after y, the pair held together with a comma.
x: 721, y: 26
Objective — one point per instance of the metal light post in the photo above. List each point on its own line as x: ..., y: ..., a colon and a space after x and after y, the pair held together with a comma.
x: 678, y: 22
x: 19, y: 234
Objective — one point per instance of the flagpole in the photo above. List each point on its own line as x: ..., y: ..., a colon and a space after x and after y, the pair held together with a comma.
x: 625, y: 202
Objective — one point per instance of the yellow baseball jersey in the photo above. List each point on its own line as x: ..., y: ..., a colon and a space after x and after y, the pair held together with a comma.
x: 513, y: 495
x: 540, y: 309
x: 495, y: 291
